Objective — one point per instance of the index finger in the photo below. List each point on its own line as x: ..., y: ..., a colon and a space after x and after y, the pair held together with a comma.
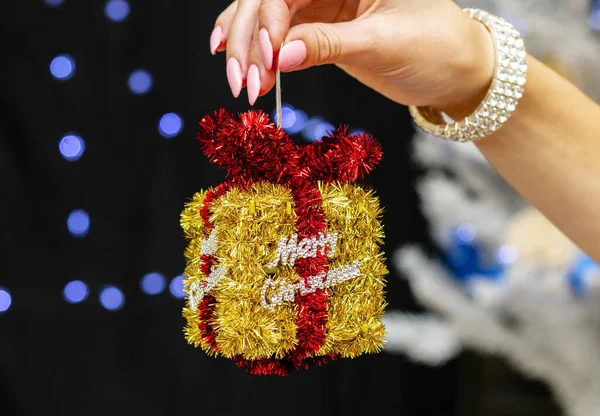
x: 274, y: 20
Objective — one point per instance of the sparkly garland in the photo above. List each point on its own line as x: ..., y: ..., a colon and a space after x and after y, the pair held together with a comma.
x: 253, y: 151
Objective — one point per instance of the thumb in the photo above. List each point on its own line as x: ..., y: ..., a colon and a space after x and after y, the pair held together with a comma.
x: 313, y: 44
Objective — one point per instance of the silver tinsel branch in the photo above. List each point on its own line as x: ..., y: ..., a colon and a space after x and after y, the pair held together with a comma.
x: 537, y: 313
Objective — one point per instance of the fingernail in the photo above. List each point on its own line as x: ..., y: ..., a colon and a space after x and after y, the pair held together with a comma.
x: 253, y: 84
x: 234, y: 76
x: 291, y: 55
x: 265, y: 47
x: 215, y: 39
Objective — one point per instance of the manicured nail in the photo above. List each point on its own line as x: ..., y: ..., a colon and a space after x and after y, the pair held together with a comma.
x: 253, y: 84
x: 215, y: 39
x: 234, y: 76
x: 265, y: 47
x: 291, y: 55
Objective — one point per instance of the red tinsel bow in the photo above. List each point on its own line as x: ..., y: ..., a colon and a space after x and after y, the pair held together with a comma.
x: 251, y: 147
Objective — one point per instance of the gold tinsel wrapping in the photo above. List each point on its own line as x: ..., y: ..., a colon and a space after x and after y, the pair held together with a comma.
x: 355, y: 307
x: 192, y: 226
x: 250, y: 225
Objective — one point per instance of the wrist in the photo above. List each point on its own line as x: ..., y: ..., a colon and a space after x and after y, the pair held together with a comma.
x: 474, y: 72
x: 502, y: 92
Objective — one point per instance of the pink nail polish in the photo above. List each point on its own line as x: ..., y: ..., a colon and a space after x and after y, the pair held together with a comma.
x: 215, y: 39
x: 291, y: 55
x: 253, y: 84
x: 265, y: 47
x: 234, y: 76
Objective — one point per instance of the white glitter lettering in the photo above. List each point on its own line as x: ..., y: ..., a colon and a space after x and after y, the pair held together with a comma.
x: 286, y: 291
x: 290, y: 250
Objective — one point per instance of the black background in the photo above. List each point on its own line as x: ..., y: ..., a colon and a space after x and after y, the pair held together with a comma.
x: 80, y: 359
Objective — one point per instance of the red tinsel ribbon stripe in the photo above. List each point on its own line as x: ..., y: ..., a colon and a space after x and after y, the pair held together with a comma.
x: 311, y: 309
x: 206, y: 308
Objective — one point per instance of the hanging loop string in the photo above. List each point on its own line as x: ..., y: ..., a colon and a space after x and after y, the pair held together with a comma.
x: 278, y: 98
x: 279, y: 120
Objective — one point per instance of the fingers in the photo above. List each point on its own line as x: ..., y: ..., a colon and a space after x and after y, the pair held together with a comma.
x: 260, y: 79
x: 218, y: 37
x: 266, y: 47
x: 240, y: 39
x: 315, y: 44
x: 252, y: 31
x: 275, y: 17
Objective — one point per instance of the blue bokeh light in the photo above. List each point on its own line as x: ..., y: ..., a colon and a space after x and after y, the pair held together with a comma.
x: 465, y: 233
x: 5, y: 300
x: 62, y: 67
x: 308, y: 132
x: 170, y: 125
x: 78, y: 223
x: 322, y: 129
x: 507, y: 255
x: 117, y: 10
x: 315, y: 128
x: 53, y: 3
x: 288, y: 116
x: 293, y: 120
x: 140, y: 82
x: 300, y: 119
x: 153, y: 283
x: 71, y: 147
x: 112, y: 298
x: 75, y: 291
x: 176, y: 287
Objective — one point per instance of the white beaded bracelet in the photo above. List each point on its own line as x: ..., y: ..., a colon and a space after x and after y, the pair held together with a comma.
x: 501, y: 99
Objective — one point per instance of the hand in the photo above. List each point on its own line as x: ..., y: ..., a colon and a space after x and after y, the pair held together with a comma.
x: 415, y: 52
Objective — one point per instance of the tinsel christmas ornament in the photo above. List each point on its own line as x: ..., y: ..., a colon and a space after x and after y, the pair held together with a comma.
x: 284, y: 266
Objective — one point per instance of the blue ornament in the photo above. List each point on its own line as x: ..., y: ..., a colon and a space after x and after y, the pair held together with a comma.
x: 466, y: 258
x: 579, y: 273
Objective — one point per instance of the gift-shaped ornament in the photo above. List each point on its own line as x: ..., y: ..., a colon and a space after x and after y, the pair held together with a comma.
x: 284, y: 266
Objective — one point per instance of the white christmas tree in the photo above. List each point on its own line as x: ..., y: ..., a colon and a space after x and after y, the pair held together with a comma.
x: 506, y: 281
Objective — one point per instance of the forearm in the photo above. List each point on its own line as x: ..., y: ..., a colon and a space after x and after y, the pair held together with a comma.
x: 549, y: 151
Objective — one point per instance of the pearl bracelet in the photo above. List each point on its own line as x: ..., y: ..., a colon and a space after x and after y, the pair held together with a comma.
x: 501, y: 99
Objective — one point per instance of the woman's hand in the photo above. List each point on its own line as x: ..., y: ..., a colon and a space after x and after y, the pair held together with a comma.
x: 415, y: 52
x: 428, y: 52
